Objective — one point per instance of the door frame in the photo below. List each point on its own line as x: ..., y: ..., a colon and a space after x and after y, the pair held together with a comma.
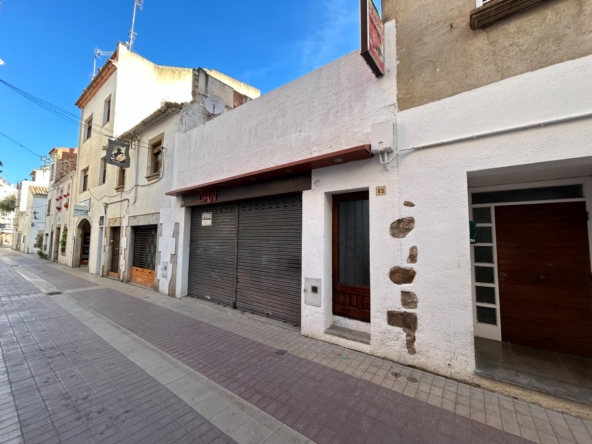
x: 494, y: 332
x: 82, y: 234
x: 336, y: 199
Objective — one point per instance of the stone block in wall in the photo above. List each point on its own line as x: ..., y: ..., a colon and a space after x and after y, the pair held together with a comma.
x: 402, y: 227
x: 409, y: 299
x: 402, y: 276
x: 412, y: 259
x: 408, y: 323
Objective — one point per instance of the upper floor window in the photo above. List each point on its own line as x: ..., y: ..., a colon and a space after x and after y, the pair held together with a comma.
x: 155, y: 154
x: 102, y: 171
x: 107, y: 111
x: 88, y: 128
x: 120, y: 183
x: 482, y: 2
x: 84, y: 180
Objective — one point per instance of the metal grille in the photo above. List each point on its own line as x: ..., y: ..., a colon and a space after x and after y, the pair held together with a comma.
x: 212, y: 254
x: 145, y: 239
x: 250, y: 256
x: 269, y: 272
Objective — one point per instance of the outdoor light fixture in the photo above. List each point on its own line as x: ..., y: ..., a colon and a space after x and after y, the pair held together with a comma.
x: 35, y: 215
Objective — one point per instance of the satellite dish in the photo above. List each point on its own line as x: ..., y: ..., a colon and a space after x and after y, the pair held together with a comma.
x: 215, y: 105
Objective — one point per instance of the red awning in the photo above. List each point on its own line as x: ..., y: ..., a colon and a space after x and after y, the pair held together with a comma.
x: 312, y: 163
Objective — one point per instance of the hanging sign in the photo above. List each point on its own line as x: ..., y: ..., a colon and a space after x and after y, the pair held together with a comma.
x: 118, y: 154
x: 82, y: 208
x: 372, y: 39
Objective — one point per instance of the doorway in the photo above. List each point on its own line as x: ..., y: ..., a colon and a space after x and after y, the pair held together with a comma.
x: 115, y: 243
x: 351, y: 256
x: 85, y: 244
x: 544, y: 276
x: 56, y: 244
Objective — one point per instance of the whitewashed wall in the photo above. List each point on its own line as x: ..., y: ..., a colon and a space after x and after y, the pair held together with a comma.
x: 435, y: 179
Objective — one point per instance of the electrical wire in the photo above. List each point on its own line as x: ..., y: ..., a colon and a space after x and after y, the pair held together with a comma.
x: 22, y: 146
x: 60, y: 112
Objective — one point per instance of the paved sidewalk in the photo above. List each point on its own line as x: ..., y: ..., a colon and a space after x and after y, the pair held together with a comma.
x: 60, y: 382
x: 312, y: 388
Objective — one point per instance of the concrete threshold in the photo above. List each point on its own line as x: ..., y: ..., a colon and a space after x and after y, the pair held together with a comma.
x: 349, y: 334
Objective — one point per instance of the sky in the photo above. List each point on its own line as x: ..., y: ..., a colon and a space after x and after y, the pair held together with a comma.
x: 47, y: 48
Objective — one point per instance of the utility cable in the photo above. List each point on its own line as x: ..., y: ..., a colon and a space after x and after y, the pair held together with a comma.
x: 22, y: 146
x: 60, y: 112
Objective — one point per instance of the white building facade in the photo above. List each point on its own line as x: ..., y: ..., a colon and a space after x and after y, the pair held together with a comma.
x: 29, y: 221
x: 6, y: 219
x: 281, y: 211
x: 116, y: 217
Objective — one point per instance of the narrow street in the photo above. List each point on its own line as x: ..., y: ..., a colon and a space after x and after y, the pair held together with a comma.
x: 106, y: 362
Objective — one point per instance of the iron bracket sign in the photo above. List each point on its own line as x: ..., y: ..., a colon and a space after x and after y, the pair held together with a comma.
x: 118, y: 154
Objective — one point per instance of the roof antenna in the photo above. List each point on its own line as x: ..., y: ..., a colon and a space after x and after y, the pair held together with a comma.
x: 132, y: 37
x: 98, y: 55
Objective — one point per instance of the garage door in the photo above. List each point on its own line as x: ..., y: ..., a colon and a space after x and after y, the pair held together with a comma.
x: 212, y: 253
x: 270, y: 257
x: 249, y: 256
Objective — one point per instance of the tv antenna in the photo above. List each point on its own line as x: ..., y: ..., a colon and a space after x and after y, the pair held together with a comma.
x: 98, y: 55
x: 215, y: 105
x: 132, y: 37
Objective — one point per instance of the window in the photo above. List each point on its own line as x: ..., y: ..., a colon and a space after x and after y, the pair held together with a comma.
x: 88, y: 126
x: 155, y: 153
x: 103, y: 171
x: 84, y: 180
x: 488, y: 12
x: 120, y: 179
x: 107, y: 111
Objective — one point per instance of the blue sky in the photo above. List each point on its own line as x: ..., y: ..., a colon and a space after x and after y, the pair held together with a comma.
x: 47, y: 48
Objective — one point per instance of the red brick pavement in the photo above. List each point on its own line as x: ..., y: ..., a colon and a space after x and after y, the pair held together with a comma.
x: 323, y: 404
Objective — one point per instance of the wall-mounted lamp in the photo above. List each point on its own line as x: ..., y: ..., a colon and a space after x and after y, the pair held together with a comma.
x: 35, y: 215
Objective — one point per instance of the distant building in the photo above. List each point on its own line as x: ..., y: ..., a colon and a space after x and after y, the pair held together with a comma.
x: 6, y: 219
x: 29, y: 221
x: 61, y: 184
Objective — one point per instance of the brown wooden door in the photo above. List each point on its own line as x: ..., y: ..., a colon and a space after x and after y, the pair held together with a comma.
x: 351, y: 256
x: 544, y: 276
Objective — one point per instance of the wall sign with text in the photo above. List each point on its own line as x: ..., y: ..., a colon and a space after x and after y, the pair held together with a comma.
x: 372, y: 38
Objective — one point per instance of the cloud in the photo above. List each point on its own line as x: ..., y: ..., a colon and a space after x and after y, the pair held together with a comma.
x: 337, y: 32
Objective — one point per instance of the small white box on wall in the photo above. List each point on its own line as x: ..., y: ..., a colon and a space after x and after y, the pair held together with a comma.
x: 383, y: 138
x: 312, y: 292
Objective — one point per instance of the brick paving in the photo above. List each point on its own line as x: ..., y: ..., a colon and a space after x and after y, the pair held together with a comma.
x: 312, y: 388
x: 61, y: 383
x: 321, y: 403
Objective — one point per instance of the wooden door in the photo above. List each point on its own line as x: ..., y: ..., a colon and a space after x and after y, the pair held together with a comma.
x: 351, y: 256
x: 544, y: 276
x: 85, y: 245
x: 115, y: 241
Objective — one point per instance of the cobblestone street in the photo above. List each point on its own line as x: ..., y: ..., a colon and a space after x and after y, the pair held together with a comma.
x: 102, y: 361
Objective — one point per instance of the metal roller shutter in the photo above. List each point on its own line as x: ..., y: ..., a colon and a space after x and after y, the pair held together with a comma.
x: 145, y: 239
x: 269, y: 267
x: 212, y: 254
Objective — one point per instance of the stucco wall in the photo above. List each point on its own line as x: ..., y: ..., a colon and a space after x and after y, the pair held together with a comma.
x: 137, y: 88
x: 435, y: 179
x: 440, y: 56
x: 329, y: 109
